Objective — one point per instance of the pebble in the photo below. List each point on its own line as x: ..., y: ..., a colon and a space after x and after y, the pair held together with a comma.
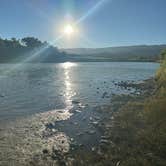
x: 95, y: 123
x: 75, y: 123
x: 93, y: 149
x: 104, y: 141
x: 78, y: 111
x: 78, y: 134
x: 104, y: 94
x: 118, y: 163
x: 75, y: 102
x: 53, y: 130
x: 104, y: 137
x: 91, y: 132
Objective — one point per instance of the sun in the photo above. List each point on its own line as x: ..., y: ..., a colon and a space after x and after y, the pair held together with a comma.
x: 68, y: 30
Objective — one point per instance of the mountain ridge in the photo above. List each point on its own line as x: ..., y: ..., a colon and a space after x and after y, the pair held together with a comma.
x: 119, y: 53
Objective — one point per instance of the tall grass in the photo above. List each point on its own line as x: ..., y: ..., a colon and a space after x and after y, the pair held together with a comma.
x: 138, y: 133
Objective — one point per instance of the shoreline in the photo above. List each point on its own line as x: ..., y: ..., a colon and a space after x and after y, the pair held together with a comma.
x: 110, y: 126
x: 95, y: 140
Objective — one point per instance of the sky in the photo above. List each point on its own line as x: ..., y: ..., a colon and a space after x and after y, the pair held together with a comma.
x: 98, y: 23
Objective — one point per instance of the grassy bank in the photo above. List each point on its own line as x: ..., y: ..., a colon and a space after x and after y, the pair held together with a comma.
x: 136, y: 135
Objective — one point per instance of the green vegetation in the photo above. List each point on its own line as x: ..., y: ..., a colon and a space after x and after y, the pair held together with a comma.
x: 13, y: 50
x: 137, y: 135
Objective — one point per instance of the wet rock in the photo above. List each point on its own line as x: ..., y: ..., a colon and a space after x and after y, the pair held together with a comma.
x: 75, y: 102
x: 75, y: 123
x: 91, y: 118
x: 93, y: 149
x: 78, y: 134
x: 77, y: 111
x: 71, y: 139
x: 118, y: 163
x: 84, y: 118
x: 99, y: 152
x: 80, y: 145
x: 91, y: 132
x: 104, y: 94
x: 97, y: 117
x: 137, y: 93
x: 112, y: 118
x: 53, y: 130
x: 104, y: 141
x: 74, y: 145
x: 95, y: 123
x: 108, y: 126
x: 104, y: 137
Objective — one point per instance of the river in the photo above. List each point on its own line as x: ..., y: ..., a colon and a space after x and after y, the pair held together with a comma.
x: 45, y: 109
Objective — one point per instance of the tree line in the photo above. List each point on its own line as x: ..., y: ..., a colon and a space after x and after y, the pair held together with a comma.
x: 15, y: 50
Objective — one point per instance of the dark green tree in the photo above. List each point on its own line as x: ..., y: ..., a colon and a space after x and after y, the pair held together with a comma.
x: 31, y: 42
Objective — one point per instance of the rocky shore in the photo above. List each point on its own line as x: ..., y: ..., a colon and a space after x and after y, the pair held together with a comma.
x: 115, y: 130
x: 81, y: 136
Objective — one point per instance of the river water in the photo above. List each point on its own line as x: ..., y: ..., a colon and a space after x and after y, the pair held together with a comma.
x: 48, y: 110
x: 27, y: 89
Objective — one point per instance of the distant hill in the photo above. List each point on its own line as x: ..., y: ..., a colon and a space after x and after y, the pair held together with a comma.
x: 31, y: 49
x: 123, y: 53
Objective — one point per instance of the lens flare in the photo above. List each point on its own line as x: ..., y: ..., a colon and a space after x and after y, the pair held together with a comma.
x: 68, y: 30
x: 91, y: 11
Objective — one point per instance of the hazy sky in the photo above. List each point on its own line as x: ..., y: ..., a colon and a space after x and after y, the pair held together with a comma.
x: 109, y: 23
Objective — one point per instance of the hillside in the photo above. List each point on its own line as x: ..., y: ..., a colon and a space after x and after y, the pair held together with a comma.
x: 31, y: 49
x: 124, y: 53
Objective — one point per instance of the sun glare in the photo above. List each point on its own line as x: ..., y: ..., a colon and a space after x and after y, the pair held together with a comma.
x: 68, y: 30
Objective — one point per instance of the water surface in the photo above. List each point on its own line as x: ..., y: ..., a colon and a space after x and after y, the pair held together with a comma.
x: 32, y: 88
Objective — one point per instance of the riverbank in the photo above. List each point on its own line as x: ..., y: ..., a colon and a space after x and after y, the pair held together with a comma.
x: 135, y: 127
x: 80, y: 136
x: 120, y: 126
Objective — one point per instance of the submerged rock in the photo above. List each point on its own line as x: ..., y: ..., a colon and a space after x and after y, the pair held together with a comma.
x: 104, y: 94
x: 2, y: 95
x: 91, y: 118
x: 104, y: 141
x: 75, y: 102
x: 78, y: 134
x: 104, y: 137
x: 95, y: 123
x: 92, y: 132
x: 77, y: 111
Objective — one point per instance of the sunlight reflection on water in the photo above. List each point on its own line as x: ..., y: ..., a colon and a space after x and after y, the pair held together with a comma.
x: 32, y: 90
x: 67, y: 67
